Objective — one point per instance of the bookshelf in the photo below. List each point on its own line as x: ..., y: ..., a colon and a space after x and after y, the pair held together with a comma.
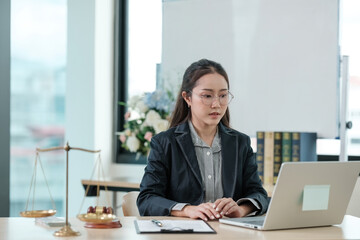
x: 275, y: 147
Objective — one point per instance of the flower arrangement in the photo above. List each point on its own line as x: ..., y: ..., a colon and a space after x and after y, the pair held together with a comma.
x: 147, y: 115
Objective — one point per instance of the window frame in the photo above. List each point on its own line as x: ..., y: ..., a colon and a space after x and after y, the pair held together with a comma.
x: 5, y: 59
x: 121, y: 82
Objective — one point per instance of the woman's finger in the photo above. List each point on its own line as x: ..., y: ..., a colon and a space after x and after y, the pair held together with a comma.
x: 209, y: 211
x: 222, y: 203
x: 229, y: 208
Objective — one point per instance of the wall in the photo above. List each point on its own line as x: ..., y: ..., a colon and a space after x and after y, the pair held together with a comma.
x: 104, y: 76
x: 5, y: 107
x: 88, y: 92
x: 80, y: 87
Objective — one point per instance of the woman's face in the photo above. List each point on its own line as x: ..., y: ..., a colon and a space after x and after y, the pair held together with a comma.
x: 204, y: 101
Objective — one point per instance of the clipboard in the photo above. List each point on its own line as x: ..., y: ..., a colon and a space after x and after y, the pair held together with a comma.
x: 173, y: 226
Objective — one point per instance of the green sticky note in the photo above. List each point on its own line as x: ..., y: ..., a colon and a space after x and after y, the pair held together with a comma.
x: 316, y: 197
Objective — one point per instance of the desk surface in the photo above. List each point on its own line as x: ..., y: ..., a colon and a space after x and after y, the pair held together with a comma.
x: 25, y: 228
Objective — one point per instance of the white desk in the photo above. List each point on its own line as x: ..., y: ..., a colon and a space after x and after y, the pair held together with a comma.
x: 25, y: 228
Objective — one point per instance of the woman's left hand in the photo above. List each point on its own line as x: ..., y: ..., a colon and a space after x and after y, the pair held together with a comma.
x: 228, y: 207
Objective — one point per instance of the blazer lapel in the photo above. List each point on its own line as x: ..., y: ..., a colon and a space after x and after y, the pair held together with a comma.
x: 229, y: 153
x: 187, y: 147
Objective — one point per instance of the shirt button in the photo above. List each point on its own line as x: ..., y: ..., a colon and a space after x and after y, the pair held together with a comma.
x: 209, y: 176
x: 208, y: 153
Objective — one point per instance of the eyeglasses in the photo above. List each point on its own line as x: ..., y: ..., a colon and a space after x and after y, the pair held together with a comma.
x: 208, y: 99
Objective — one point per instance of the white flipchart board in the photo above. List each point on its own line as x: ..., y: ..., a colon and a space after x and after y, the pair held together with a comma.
x: 282, y: 58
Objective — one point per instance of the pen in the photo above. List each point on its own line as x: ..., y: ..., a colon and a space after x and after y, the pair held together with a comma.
x: 156, y: 222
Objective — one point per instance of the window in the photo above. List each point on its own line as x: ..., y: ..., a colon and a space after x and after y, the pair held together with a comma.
x: 144, y: 45
x: 139, y: 39
x: 38, y: 62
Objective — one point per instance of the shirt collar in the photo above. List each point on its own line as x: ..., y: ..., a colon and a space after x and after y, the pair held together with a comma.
x: 198, y: 142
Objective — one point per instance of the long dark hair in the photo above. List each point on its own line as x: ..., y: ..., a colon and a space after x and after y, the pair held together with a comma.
x: 192, y: 74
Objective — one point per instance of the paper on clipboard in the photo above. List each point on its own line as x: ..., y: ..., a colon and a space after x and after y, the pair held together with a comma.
x: 176, y: 226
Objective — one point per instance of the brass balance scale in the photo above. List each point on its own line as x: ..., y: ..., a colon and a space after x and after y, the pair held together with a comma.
x: 96, y: 218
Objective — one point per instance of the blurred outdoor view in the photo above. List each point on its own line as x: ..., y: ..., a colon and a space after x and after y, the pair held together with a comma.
x: 38, y: 76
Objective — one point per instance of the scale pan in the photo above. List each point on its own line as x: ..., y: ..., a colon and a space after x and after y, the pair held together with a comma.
x: 38, y: 213
x: 96, y: 218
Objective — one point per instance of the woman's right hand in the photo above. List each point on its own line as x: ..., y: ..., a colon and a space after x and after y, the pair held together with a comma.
x: 204, y: 211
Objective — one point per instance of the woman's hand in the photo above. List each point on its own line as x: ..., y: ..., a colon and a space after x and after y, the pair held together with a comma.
x: 228, y: 207
x: 204, y: 211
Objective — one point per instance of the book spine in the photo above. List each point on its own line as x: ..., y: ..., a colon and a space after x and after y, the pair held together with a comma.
x: 260, y: 154
x: 286, y: 147
x: 277, y: 155
x: 295, y: 147
x: 269, y: 158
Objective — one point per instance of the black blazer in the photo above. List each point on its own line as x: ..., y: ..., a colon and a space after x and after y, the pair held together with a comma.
x: 173, y: 176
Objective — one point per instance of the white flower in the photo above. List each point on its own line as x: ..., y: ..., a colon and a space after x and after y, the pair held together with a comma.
x: 142, y: 107
x: 151, y: 117
x: 144, y: 120
x: 144, y: 125
x: 133, y: 101
x: 160, y: 125
x: 133, y: 143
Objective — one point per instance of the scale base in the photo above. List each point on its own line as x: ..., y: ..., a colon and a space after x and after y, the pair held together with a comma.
x: 66, y: 231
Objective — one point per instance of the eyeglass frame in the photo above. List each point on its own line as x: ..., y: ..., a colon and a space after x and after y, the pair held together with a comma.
x: 213, y: 98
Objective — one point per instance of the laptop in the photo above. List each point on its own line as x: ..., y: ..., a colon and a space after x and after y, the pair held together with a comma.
x: 307, y: 194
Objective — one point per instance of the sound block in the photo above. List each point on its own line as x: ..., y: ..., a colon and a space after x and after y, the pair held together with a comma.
x: 113, y: 224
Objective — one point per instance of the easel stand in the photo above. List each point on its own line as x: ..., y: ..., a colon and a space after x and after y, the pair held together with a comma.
x: 344, y: 124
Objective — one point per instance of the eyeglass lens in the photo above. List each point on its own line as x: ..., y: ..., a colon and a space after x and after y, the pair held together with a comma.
x: 224, y: 99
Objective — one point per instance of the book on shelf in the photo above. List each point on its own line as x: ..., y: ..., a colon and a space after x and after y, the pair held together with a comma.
x: 274, y: 148
x: 268, y: 158
x: 286, y: 147
x: 277, y: 155
x: 260, y: 154
x: 303, y: 147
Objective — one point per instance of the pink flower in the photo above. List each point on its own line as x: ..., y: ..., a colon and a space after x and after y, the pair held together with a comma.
x: 122, y: 138
x: 127, y: 115
x: 148, y: 136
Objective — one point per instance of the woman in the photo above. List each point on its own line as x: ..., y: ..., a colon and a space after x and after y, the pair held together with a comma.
x: 200, y: 167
